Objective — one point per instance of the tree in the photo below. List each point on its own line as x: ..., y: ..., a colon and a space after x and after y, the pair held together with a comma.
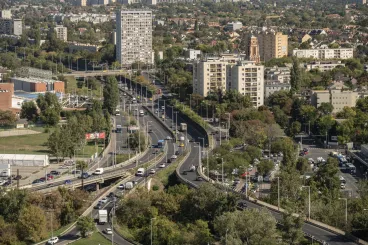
x: 250, y: 226
x: 325, y: 123
x: 50, y: 108
x: 295, y: 78
x: 8, y: 233
x: 325, y: 108
x: 31, y: 225
x: 302, y: 165
x: 111, y: 94
x: 346, y: 113
x: 136, y: 140
x: 29, y: 111
x: 202, y: 233
x: 295, y: 128
x: 56, y: 143
x: 265, y: 167
x: 327, y: 180
x: 86, y: 225
x: 308, y: 113
x: 12, y: 203
x: 7, y: 118
x: 345, y: 131
x: 292, y: 232
x: 280, y: 117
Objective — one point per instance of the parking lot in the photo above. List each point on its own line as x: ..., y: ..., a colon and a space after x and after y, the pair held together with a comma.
x: 351, y: 186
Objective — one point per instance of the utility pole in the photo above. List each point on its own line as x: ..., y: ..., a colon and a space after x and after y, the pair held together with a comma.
x: 278, y: 193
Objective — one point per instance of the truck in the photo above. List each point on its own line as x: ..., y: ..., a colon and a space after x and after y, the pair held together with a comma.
x: 183, y: 127
x: 161, y: 144
x: 102, y: 216
x: 140, y: 172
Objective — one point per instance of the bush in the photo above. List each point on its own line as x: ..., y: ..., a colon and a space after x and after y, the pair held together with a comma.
x: 155, y: 188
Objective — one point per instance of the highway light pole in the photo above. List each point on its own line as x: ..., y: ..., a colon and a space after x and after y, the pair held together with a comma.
x: 152, y: 230
x: 309, y: 201
x: 346, y: 210
x: 278, y: 193
x: 176, y: 123
x: 222, y: 175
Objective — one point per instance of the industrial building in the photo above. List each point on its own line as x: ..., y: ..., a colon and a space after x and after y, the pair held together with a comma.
x: 38, y: 85
x: 25, y: 160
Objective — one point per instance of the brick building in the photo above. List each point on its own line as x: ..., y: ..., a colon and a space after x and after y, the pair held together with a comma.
x: 6, y: 98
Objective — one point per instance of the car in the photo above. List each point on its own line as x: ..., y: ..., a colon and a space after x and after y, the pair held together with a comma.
x: 192, y: 168
x: 121, y: 187
x: 108, y: 231
x: 342, y: 186
x: 77, y: 172
x: 184, y: 172
x: 152, y: 171
x: 53, y: 240
x: 43, y: 179
x: 241, y: 205
x: 236, y: 181
x: 168, y: 138
x: 37, y: 181
x: 181, y: 144
x: 174, y: 156
x: 280, y: 154
x: 168, y: 160
x: 98, y: 206
x: 311, y: 160
x: 177, y: 153
x: 67, y: 182
x: 111, y: 194
x: 162, y: 107
x: 150, y: 130
x: 18, y: 177
x: 199, y: 178
x: 104, y: 200
x: 55, y: 173
x: 301, y: 153
x: 162, y: 165
x: 156, y: 111
x: 305, y: 149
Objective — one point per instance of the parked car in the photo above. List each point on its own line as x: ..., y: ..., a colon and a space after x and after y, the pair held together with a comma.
x: 67, y: 182
x: 121, y: 187
x: 37, y: 181
x: 18, y: 177
x: 241, y: 205
x: 54, y: 172
x: 53, y: 240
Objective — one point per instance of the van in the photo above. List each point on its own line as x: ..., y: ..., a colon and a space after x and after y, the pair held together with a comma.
x: 140, y: 172
x: 98, y: 171
x: 182, y: 138
x: 129, y: 185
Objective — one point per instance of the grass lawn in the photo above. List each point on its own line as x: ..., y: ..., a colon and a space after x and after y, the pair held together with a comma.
x: 25, y: 144
x: 123, y: 157
x: 60, y: 230
x: 89, y: 150
x: 95, y: 239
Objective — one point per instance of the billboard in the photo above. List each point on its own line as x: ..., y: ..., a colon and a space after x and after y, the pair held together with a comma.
x: 92, y: 136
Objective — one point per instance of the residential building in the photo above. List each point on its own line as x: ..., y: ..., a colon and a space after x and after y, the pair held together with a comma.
x: 271, y: 45
x: 192, y: 54
x: 11, y: 26
x: 324, y: 65
x: 38, y: 85
x: 134, y: 37
x: 248, y: 79
x: 74, y: 47
x: 229, y: 72
x: 275, y: 86
x: 233, y: 26
x: 61, y: 32
x: 323, y: 54
x: 281, y: 74
x: 254, y: 50
x: 305, y: 38
x: 336, y: 94
x: 5, y: 14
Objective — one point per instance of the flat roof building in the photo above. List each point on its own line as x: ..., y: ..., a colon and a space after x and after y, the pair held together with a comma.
x: 324, y: 54
x: 38, y: 85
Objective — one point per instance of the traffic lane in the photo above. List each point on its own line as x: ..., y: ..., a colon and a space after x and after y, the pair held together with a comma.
x: 72, y: 235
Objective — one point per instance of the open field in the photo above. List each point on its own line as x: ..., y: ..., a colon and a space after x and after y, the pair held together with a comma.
x: 36, y: 144
x: 95, y: 239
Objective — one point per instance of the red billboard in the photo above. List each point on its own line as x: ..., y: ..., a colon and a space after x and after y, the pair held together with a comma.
x: 92, y: 136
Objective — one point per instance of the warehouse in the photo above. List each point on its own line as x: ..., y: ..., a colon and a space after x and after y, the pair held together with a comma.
x: 24, y: 160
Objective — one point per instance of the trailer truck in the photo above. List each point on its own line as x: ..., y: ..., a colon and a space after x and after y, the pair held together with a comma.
x: 102, y: 216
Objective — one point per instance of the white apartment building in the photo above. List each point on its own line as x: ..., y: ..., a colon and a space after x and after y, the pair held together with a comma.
x: 61, y: 33
x: 225, y: 73
x: 248, y: 79
x: 323, y: 54
x: 323, y: 65
x: 275, y: 86
x: 5, y: 14
x: 281, y: 74
x: 192, y: 54
x: 134, y: 37
x: 11, y: 26
x: 233, y: 26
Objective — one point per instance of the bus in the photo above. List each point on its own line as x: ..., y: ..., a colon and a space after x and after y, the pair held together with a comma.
x: 351, y: 168
x: 118, y: 129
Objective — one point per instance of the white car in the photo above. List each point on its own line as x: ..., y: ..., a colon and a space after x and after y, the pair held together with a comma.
x: 174, y: 156
x: 121, y: 187
x: 152, y: 171
x: 161, y: 165
x: 53, y: 240
x: 103, y: 200
x: 156, y: 111
x: 108, y: 231
x: 168, y: 138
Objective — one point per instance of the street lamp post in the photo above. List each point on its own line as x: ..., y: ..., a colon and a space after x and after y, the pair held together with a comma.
x: 278, y: 193
x: 309, y: 201
x: 346, y: 210
x: 152, y: 230
x: 222, y: 171
x: 176, y: 122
